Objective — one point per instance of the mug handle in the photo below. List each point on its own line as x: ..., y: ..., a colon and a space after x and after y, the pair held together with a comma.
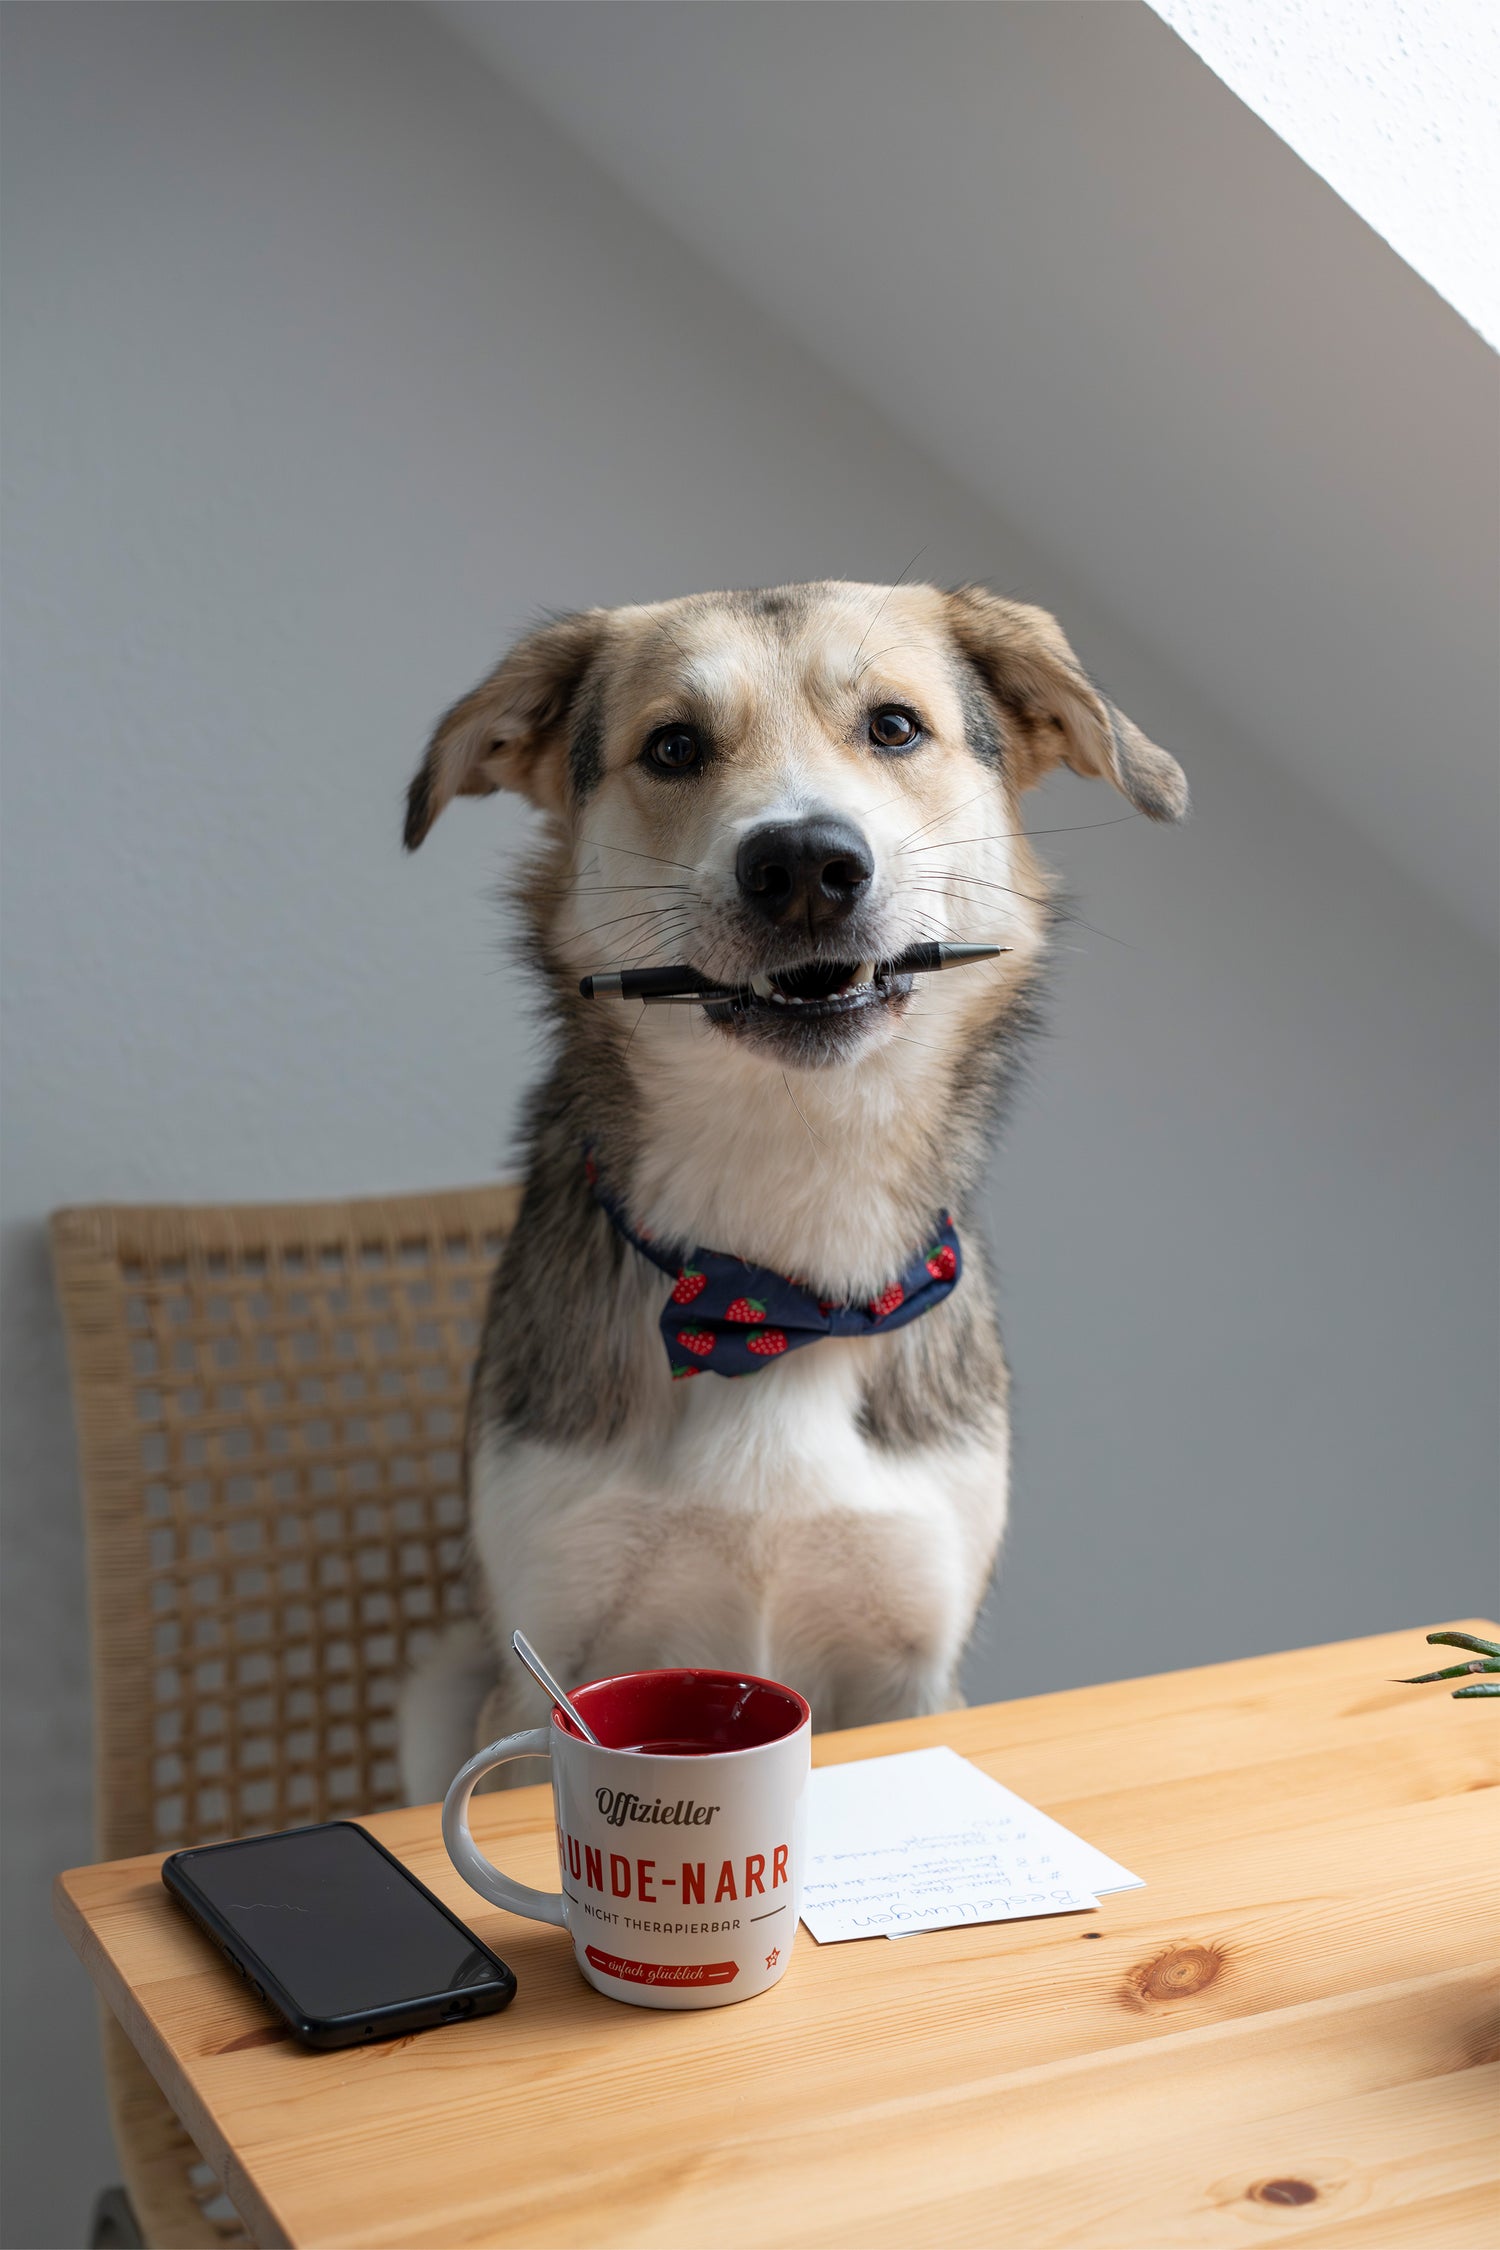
x: 476, y: 1870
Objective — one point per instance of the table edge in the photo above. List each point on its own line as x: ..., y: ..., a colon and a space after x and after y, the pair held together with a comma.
x: 258, y: 2216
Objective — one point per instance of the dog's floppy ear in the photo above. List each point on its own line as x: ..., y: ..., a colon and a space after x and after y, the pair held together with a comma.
x: 509, y: 732
x: 1055, y: 709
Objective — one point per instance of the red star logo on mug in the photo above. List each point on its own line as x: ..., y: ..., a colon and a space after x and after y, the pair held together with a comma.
x: 773, y: 1956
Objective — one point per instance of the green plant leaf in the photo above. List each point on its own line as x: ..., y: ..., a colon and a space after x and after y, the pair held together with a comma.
x: 1465, y: 1640
x: 1454, y: 1671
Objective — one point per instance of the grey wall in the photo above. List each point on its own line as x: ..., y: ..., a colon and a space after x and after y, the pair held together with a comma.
x: 326, y: 364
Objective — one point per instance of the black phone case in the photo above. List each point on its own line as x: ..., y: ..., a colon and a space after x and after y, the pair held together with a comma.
x: 389, y: 2022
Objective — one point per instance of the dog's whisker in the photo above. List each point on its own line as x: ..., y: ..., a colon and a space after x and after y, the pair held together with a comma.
x: 797, y: 1106
x: 630, y: 915
x: 925, y: 913
x: 649, y: 944
x: 928, y: 874
x: 630, y: 853
x: 1060, y: 909
x: 980, y: 882
x: 1011, y: 835
x: 617, y: 921
x: 663, y: 627
x: 1078, y: 827
x: 615, y: 890
x: 875, y: 656
x: 958, y: 843
x: 881, y: 802
x: 658, y: 943
x: 880, y: 605
x: 935, y: 890
x: 665, y: 940
x: 566, y: 884
x: 950, y: 812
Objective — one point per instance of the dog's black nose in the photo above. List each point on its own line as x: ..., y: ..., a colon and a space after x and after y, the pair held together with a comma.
x: 812, y: 871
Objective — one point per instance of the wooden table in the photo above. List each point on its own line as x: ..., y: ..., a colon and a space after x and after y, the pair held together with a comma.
x: 1292, y: 2030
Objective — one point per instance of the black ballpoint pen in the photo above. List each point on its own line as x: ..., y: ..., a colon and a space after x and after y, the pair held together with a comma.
x: 688, y: 986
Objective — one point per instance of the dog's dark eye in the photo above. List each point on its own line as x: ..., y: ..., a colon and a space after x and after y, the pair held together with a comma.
x: 674, y: 749
x: 893, y: 727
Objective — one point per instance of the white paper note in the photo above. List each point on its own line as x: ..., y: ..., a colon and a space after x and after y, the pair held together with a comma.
x: 925, y: 1841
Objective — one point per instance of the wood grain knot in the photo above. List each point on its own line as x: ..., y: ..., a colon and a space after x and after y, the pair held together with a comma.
x: 1282, y: 2191
x: 1174, y: 1975
x: 264, y: 2035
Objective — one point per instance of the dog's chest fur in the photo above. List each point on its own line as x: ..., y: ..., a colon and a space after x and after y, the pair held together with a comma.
x: 760, y: 1523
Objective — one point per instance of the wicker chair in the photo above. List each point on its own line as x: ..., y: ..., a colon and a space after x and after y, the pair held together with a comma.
x: 270, y: 1405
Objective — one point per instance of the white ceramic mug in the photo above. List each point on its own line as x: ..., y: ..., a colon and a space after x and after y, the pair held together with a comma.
x: 681, y: 1837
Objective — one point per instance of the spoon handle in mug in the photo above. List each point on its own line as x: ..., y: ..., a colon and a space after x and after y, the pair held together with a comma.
x: 543, y: 1677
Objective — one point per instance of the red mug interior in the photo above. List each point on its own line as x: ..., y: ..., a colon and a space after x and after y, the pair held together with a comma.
x: 687, y: 1714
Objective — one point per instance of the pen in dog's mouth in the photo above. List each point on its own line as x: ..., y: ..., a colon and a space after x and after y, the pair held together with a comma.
x: 810, y: 984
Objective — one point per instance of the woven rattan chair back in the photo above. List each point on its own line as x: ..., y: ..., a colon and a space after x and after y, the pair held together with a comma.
x: 270, y: 1403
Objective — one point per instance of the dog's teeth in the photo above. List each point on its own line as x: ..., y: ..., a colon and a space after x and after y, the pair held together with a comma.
x: 865, y: 973
x: 780, y: 998
x: 763, y: 988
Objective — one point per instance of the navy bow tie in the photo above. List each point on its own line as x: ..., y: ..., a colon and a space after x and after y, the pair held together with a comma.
x: 726, y: 1317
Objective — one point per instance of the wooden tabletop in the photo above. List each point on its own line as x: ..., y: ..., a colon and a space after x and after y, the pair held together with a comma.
x: 1292, y: 2030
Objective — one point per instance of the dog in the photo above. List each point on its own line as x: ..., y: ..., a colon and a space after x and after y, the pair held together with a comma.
x: 784, y: 789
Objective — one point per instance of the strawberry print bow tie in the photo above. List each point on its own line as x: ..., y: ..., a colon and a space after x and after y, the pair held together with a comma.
x: 726, y: 1317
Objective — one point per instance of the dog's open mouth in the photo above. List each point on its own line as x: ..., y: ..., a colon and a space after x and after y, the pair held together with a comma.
x: 816, y: 984
x: 792, y: 1002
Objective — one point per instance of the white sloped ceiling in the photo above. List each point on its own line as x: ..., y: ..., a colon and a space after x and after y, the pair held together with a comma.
x: 1396, y: 103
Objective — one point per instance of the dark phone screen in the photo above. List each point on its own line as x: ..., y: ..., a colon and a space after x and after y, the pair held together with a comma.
x: 335, y: 1922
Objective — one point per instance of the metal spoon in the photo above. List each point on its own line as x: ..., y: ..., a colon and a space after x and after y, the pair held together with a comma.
x: 539, y: 1671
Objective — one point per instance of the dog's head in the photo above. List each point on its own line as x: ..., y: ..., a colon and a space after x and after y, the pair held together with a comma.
x: 787, y: 788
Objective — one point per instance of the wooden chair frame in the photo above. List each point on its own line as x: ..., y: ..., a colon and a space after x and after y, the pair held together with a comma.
x: 269, y: 1402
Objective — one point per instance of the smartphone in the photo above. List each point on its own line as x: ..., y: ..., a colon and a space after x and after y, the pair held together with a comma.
x: 336, y: 1935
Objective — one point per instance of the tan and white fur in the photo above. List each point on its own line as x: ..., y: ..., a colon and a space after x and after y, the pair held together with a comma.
x: 833, y: 1521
